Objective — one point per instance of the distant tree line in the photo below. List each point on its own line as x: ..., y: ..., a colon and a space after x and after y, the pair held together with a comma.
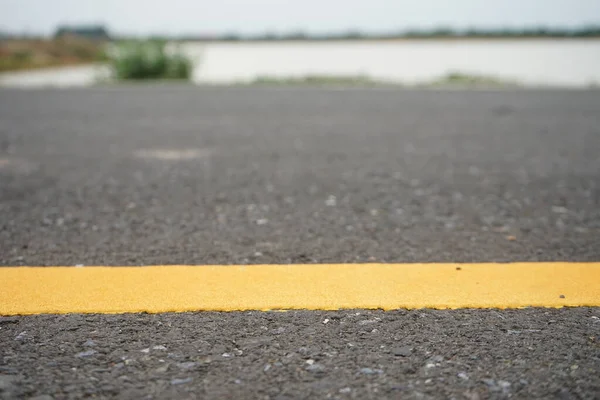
x: 82, y: 31
x: 85, y: 31
x: 438, y: 33
x: 101, y: 32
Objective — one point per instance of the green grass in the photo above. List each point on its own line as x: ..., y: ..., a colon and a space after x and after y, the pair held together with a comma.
x: 317, y: 80
x: 454, y: 79
x: 459, y: 79
x: 148, y: 60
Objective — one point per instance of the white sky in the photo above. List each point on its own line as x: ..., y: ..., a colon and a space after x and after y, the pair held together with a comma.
x: 259, y: 16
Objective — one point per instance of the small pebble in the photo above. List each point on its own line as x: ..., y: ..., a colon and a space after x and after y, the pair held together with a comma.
x: 370, y: 371
x: 402, y: 351
x: 187, y: 365
x: 180, y: 381
x: 86, y: 353
x: 436, y: 359
x: 367, y: 322
x: 331, y: 201
x: 316, y: 367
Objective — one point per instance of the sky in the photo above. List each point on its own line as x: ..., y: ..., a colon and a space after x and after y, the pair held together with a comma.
x: 312, y: 16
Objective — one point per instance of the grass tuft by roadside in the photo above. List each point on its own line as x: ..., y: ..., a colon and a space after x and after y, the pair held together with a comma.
x: 460, y: 79
x: 148, y: 60
x: 452, y: 79
x: 320, y: 80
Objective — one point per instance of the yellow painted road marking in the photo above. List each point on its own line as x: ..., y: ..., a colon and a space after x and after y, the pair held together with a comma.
x: 37, y: 290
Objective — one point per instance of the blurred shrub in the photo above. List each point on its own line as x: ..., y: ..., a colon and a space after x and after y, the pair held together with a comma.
x: 145, y: 60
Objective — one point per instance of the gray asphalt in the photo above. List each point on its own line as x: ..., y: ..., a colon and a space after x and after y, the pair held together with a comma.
x: 183, y: 175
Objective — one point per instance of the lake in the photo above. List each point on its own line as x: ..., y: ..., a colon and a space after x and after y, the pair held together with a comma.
x: 535, y: 62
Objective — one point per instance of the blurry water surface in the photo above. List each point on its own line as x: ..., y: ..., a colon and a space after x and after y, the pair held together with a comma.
x: 561, y: 62
x: 534, y: 62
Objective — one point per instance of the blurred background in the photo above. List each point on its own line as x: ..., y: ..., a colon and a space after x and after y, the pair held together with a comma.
x: 241, y: 42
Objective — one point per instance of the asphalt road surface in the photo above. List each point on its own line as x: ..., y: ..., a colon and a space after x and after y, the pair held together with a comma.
x: 184, y: 175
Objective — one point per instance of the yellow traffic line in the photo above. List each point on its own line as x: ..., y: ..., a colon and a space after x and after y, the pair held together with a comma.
x: 153, y: 289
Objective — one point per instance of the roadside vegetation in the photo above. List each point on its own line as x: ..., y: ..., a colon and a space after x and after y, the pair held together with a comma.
x: 26, y: 54
x: 148, y: 60
x: 318, y: 80
x: 128, y: 60
x: 459, y: 79
x: 452, y: 79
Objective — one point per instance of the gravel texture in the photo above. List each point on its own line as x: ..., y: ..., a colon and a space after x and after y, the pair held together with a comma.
x: 183, y: 175
x: 468, y: 354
